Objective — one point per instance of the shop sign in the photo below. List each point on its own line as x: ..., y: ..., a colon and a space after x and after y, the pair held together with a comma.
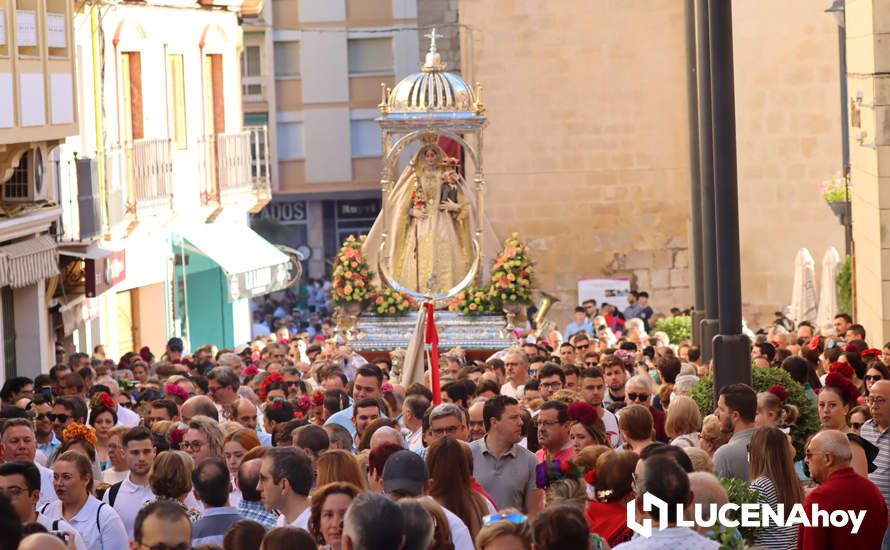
x: 287, y: 212
x: 359, y: 209
x: 257, y: 282
x: 104, y: 272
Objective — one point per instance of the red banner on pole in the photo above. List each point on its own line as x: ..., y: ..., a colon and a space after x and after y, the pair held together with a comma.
x: 432, y: 338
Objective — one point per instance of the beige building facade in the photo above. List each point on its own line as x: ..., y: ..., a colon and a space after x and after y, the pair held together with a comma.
x: 587, y: 150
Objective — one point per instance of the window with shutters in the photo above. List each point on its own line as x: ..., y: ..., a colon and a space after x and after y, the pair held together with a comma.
x: 252, y: 73
x: 176, y: 100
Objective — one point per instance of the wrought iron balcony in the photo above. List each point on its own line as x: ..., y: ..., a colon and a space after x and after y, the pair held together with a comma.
x: 139, y: 178
x: 234, y: 168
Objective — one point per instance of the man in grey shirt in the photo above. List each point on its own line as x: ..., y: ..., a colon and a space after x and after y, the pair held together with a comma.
x: 736, y: 409
x: 500, y: 465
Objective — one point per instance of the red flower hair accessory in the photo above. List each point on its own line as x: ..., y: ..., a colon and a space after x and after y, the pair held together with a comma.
x: 871, y: 352
x: 849, y: 391
x: 252, y: 370
x: 103, y: 399
x: 583, y: 412
x: 814, y: 343
x: 844, y: 369
x: 176, y: 435
x: 318, y: 397
x: 277, y: 404
x: 779, y: 391
x: 851, y: 348
x: 590, y: 476
x: 271, y: 379
x: 177, y: 390
x: 299, y: 414
x: 386, y: 387
x: 304, y: 403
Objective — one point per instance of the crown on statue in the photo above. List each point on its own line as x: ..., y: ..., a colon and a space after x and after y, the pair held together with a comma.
x: 430, y: 138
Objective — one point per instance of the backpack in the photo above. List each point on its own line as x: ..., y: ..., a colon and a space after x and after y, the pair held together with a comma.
x: 113, y: 491
x: 98, y: 511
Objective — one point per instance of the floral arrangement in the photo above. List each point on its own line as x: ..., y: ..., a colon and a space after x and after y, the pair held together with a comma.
x: 352, y: 276
x: 554, y: 470
x: 390, y: 302
x: 836, y: 189
x: 472, y: 301
x: 79, y: 431
x: 511, y: 278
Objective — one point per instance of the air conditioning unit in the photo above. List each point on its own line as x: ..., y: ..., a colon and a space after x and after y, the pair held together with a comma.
x: 29, y: 179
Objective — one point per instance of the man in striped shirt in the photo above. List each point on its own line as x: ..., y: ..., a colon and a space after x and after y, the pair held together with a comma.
x: 877, y: 431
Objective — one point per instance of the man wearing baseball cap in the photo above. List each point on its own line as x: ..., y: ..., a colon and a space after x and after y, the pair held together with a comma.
x: 405, y: 475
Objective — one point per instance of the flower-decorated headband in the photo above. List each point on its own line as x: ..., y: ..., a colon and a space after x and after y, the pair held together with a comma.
x: 550, y: 471
x: 838, y: 380
x: 79, y: 431
x: 584, y: 413
x: 271, y: 379
x: 871, y: 352
x: 844, y: 369
x: 102, y: 399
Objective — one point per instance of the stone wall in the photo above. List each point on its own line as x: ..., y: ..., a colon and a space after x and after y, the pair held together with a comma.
x: 587, y: 151
x: 443, y: 15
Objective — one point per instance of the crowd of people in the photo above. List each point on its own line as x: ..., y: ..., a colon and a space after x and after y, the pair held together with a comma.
x: 295, y: 441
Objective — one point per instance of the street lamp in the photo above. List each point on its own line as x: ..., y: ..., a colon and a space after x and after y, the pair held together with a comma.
x: 837, y: 10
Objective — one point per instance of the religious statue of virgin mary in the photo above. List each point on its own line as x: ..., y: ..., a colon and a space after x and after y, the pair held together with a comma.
x: 431, y: 215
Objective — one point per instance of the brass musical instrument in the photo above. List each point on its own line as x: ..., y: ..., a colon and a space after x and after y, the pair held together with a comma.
x: 544, y: 326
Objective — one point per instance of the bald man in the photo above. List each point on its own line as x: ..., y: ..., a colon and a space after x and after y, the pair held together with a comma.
x: 386, y: 434
x: 199, y: 404
x: 706, y: 490
x: 829, y: 455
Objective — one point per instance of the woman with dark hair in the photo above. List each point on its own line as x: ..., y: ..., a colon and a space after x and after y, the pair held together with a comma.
x: 102, y: 418
x: 771, y: 456
x: 562, y: 526
x: 799, y: 369
x: 838, y: 395
x: 451, y: 473
x: 329, y: 505
x: 876, y: 371
x: 288, y: 538
x: 73, y: 481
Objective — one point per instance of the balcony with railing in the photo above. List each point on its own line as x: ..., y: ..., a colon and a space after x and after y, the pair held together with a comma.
x: 139, y: 179
x: 234, y: 168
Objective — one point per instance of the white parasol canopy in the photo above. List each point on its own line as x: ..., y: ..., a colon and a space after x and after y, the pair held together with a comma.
x: 803, y: 292
x: 828, y: 301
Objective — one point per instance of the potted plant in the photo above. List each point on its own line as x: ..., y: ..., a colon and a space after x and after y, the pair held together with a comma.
x: 837, y: 192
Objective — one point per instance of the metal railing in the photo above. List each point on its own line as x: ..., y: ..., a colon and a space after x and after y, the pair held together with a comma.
x: 235, y: 165
x: 138, y: 177
x: 261, y: 177
x: 233, y: 160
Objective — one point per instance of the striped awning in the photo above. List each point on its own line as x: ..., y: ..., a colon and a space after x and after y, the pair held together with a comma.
x: 27, y: 262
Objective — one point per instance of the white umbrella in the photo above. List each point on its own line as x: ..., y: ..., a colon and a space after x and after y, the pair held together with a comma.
x: 803, y: 292
x: 828, y: 301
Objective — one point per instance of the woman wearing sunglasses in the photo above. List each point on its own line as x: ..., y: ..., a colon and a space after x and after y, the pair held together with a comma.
x: 876, y: 371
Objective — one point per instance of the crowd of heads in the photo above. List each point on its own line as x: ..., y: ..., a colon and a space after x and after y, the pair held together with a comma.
x: 306, y: 443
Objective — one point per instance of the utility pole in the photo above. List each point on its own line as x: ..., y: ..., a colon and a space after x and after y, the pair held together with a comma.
x: 706, y: 174
x: 695, y: 242
x: 732, y: 363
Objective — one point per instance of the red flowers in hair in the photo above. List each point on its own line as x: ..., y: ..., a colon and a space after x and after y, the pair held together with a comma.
x: 845, y: 369
x: 271, y: 379
x: 779, y: 391
x: 849, y: 391
x: 318, y: 397
x: 583, y: 412
x: 871, y: 352
x: 590, y: 476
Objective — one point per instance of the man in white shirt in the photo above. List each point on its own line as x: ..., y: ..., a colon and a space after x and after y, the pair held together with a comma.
x: 516, y: 365
x: 20, y: 481
x: 20, y: 443
x: 405, y: 475
x: 413, y: 409
x: 128, y: 496
x: 593, y: 388
x: 285, y: 481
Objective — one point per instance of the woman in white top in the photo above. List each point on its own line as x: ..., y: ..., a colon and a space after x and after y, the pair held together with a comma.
x: 98, y: 524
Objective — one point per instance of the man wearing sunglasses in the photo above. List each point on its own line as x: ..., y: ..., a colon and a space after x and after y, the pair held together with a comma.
x: 43, y: 428
x: 65, y: 411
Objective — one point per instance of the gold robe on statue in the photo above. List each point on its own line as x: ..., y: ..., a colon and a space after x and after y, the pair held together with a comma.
x: 441, y: 243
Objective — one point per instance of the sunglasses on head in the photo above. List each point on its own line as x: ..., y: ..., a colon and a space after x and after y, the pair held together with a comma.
x: 638, y: 396
x: 515, y: 518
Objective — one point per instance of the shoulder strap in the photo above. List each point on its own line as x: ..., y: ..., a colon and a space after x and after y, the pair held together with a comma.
x: 45, y: 506
x: 56, y: 525
x: 113, y: 491
x: 99, y: 511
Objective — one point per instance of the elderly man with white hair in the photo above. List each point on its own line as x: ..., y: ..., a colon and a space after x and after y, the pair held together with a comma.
x: 639, y: 390
x: 386, y: 434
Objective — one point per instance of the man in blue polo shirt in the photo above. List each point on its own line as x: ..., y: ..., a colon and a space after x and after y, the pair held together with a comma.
x: 367, y: 383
